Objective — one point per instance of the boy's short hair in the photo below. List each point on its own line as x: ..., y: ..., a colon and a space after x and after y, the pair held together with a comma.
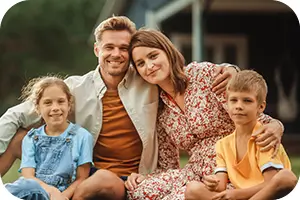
x: 248, y: 81
x: 114, y: 23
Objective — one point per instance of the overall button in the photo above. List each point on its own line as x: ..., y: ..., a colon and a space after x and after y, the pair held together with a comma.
x: 36, y: 137
x: 68, y: 139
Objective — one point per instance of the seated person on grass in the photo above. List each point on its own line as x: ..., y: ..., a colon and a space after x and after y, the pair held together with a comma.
x: 254, y: 174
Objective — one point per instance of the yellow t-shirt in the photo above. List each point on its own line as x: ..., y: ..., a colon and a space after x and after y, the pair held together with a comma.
x: 248, y: 172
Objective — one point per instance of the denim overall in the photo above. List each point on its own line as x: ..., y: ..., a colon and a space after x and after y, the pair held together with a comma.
x: 54, y: 166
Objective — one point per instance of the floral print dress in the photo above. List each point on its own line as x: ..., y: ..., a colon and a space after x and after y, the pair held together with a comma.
x: 196, y: 131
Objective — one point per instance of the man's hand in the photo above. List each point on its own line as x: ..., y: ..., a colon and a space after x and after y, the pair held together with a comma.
x: 225, y: 195
x: 269, y: 136
x: 211, y: 182
x: 133, y: 180
x: 222, y: 75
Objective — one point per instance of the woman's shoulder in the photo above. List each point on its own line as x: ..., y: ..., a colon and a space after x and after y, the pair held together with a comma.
x: 199, y: 70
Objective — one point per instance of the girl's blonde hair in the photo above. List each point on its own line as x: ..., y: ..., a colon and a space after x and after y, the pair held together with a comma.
x: 34, y: 90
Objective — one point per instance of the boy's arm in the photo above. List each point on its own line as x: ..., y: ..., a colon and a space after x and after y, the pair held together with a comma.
x: 269, y: 167
x: 82, y: 173
x: 221, y: 170
x: 223, y: 181
x: 247, y: 193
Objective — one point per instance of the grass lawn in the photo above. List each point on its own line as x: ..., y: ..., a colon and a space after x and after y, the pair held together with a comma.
x: 12, y: 174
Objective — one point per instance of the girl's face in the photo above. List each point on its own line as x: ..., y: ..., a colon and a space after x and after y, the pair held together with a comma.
x: 54, y: 107
x: 152, y: 64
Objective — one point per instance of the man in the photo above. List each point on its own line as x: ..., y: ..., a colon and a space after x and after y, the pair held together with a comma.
x: 115, y: 105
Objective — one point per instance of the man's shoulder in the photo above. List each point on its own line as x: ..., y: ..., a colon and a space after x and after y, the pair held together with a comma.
x: 75, y: 80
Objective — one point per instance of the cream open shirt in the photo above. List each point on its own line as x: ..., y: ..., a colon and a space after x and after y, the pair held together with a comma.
x: 139, y: 98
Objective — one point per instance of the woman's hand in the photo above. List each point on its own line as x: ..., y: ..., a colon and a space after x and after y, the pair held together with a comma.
x: 211, y: 182
x: 269, y: 136
x: 133, y: 180
x: 223, y: 73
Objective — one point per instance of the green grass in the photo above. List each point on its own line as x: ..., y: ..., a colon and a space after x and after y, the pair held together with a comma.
x: 13, y: 174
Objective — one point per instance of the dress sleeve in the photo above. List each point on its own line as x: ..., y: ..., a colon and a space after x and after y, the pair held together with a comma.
x: 264, y: 118
x: 168, y: 152
x: 28, y: 153
x: 86, y: 148
x: 221, y: 163
x: 202, y: 73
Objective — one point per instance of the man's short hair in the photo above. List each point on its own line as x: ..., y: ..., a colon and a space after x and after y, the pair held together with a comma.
x: 115, y: 23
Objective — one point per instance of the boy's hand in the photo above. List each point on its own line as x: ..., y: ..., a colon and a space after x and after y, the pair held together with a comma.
x: 226, y: 194
x: 133, y: 180
x: 211, y: 182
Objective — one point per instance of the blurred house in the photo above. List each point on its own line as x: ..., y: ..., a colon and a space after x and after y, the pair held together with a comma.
x: 257, y: 34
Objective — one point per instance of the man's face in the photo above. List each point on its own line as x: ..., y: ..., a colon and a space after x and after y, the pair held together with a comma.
x: 112, y: 53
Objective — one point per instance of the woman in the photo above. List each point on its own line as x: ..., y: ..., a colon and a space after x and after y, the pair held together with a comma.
x: 191, y: 118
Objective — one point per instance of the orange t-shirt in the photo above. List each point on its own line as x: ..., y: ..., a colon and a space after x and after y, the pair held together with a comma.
x: 249, y: 171
x: 119, y: 146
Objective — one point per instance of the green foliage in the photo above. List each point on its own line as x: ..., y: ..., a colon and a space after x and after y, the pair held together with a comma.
x: 45, y: 36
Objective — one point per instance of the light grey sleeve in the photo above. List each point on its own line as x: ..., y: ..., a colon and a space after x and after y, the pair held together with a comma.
x: 22, y: 115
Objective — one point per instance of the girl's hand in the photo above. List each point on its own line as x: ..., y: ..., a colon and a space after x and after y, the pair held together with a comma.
x: 211, y: 182
x: 133, y: 180
x: 55, y: 194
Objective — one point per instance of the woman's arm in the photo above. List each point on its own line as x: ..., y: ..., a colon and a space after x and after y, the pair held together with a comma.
x: 82, y: 173
x: 168, y: 152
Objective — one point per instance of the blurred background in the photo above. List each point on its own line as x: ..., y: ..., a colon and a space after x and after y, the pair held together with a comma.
x: 38, y: 37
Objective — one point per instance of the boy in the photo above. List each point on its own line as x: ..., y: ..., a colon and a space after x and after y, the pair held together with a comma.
x: 254, y: 174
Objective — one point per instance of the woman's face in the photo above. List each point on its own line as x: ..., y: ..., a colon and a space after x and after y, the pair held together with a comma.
x: 152, y: 64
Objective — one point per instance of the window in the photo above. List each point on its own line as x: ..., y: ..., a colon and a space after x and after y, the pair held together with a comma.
x: 217, y: 48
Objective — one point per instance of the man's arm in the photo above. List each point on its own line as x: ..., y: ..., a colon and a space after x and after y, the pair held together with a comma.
x: 19, y: 116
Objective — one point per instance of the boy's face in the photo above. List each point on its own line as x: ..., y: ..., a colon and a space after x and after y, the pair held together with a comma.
x: 243, y: 107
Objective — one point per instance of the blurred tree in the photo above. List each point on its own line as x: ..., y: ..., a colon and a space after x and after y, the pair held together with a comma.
x: 45, y: 36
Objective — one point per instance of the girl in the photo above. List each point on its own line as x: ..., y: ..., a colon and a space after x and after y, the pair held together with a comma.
x: 191, y: 118
x: 57, y: 156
